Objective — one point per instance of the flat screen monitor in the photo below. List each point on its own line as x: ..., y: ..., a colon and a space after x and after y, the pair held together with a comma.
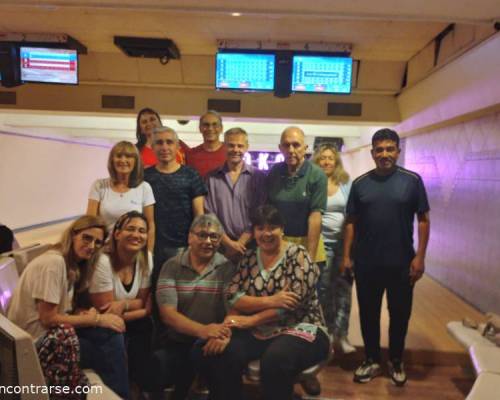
x: 245, y: 71
x: 46, y: 65
x: 321, y: 74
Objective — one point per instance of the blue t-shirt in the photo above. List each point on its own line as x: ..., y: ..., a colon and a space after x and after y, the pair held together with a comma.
x: 174, y: 194
x: 385, y: 208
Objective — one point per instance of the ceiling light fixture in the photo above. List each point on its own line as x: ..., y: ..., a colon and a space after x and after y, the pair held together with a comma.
x: 236, y: 14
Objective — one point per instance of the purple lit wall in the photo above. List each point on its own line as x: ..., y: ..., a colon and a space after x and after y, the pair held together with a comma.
x: 263, y: 160
x: 460, y: 166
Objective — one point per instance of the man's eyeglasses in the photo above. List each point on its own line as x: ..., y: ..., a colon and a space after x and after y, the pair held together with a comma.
x: 203, y: 236
x: 89, y: 239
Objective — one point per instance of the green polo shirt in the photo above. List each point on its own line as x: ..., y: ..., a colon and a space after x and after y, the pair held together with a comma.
x: 297, y: 196
x: 199, y: 297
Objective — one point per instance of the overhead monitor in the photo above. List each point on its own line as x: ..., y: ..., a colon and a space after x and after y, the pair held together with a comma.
x: 244, y: 71
x: 321, y: 74
x: 47, y: 65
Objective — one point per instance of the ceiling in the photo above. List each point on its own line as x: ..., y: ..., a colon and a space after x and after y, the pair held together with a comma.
x: 382, y: 30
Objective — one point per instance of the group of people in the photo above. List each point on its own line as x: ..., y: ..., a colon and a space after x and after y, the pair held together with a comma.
x: 191, y: 262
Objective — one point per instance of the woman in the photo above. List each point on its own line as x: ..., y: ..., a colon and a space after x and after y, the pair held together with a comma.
x: 44, y: 304
x: 120, y: 286
x: 147, y: 120
x: 124, y: 190
x: 335, y: 286
x: 275, y: 313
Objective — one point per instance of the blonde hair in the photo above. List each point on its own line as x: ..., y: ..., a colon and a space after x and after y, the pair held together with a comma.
x: 137, y: 175
x: 79, y: 273
x: 339, y: 175
x: 112, y: 249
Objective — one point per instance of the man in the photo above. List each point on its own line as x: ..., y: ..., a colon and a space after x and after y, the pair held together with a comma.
x: 190, y: 297
x: 235, y: 189
x: 211, y: 153
x: 298, y: 189
x: 179, y: 192
x: 380, y: 212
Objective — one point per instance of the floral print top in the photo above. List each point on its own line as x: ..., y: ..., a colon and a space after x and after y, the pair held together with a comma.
x: 294, y: 270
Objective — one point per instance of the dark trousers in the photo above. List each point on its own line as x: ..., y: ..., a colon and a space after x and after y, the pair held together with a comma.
x: 371, y: 282
x: 103, y: 350
x: 138, y: 343
x: 172, y: 365
x: 282, y: 359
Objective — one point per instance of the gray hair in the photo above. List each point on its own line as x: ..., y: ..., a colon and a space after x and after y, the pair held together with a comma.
x: 161, y: 129
x: 236, y: 131
x: 214, y: 113
x: 207, y: 221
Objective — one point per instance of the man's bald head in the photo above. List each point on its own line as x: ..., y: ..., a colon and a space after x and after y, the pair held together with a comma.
x: 293, y: 147
x: 293, y: 130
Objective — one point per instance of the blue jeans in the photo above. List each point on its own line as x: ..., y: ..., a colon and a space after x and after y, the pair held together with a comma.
x: 103, y: 350
x: 335, y: 291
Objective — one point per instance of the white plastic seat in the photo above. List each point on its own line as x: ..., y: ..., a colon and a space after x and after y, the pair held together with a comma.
x: 486, y: 387
x: 467, y: 336
x: 485, y: 359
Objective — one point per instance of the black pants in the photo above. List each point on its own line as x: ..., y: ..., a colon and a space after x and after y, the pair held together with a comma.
x: 172, y: 365
x: 138, y: 343
x: 371, y: 282
x: 282, y: 359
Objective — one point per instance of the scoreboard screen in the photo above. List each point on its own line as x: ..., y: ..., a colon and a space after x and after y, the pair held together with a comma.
x: 321, y: 74
x: 49, y: 65
x: 245, y: 71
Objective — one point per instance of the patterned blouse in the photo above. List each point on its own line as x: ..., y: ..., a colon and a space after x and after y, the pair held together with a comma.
x: 294, y: 269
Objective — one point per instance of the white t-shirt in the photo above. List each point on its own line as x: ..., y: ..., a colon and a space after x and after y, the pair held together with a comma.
x: 106, y: 280
x: 44, y: 278
x: 112, y: 205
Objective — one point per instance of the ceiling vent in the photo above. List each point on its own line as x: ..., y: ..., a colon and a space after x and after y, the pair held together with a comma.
x: 163, y: 49
x: 344, y: 109
x: 224, y: 105
x: 8, y: 98
x: 122, y: 102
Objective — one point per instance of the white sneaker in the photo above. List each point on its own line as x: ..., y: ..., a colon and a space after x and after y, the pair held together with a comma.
x: 367, y: 371
x: 346, y: 346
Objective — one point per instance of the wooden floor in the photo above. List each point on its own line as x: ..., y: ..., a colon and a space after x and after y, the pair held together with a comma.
x: 438, y: 367
x: 424, y: 383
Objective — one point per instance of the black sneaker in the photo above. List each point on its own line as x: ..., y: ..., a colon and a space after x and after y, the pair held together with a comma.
x: 367, y: 371
x: 397, y: 372
x: 311, y: 385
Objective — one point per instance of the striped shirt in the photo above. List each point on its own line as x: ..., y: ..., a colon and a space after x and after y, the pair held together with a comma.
x: 198, y: 296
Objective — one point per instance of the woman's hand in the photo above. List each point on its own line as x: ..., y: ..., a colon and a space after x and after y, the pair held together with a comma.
x: 285, y: 299
x: 239, y: 321
x: 111, y: 321
x: 115, y: 307
x: 215, y: 346
x: 149, y: 304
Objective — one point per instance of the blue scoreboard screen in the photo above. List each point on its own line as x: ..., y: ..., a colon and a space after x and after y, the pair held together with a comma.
x: 245, y: 71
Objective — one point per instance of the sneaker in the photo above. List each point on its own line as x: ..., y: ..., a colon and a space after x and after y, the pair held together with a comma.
x: 311, y: 385
x: 397, y: 372
x: 367, y: 371
x: 345, y: 345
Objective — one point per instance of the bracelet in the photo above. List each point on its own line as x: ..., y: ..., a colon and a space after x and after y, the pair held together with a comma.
x: 97, y: 319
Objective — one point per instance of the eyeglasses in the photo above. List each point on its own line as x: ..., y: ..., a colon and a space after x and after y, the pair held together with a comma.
x: 203, y: 236
x: 89, y: 239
